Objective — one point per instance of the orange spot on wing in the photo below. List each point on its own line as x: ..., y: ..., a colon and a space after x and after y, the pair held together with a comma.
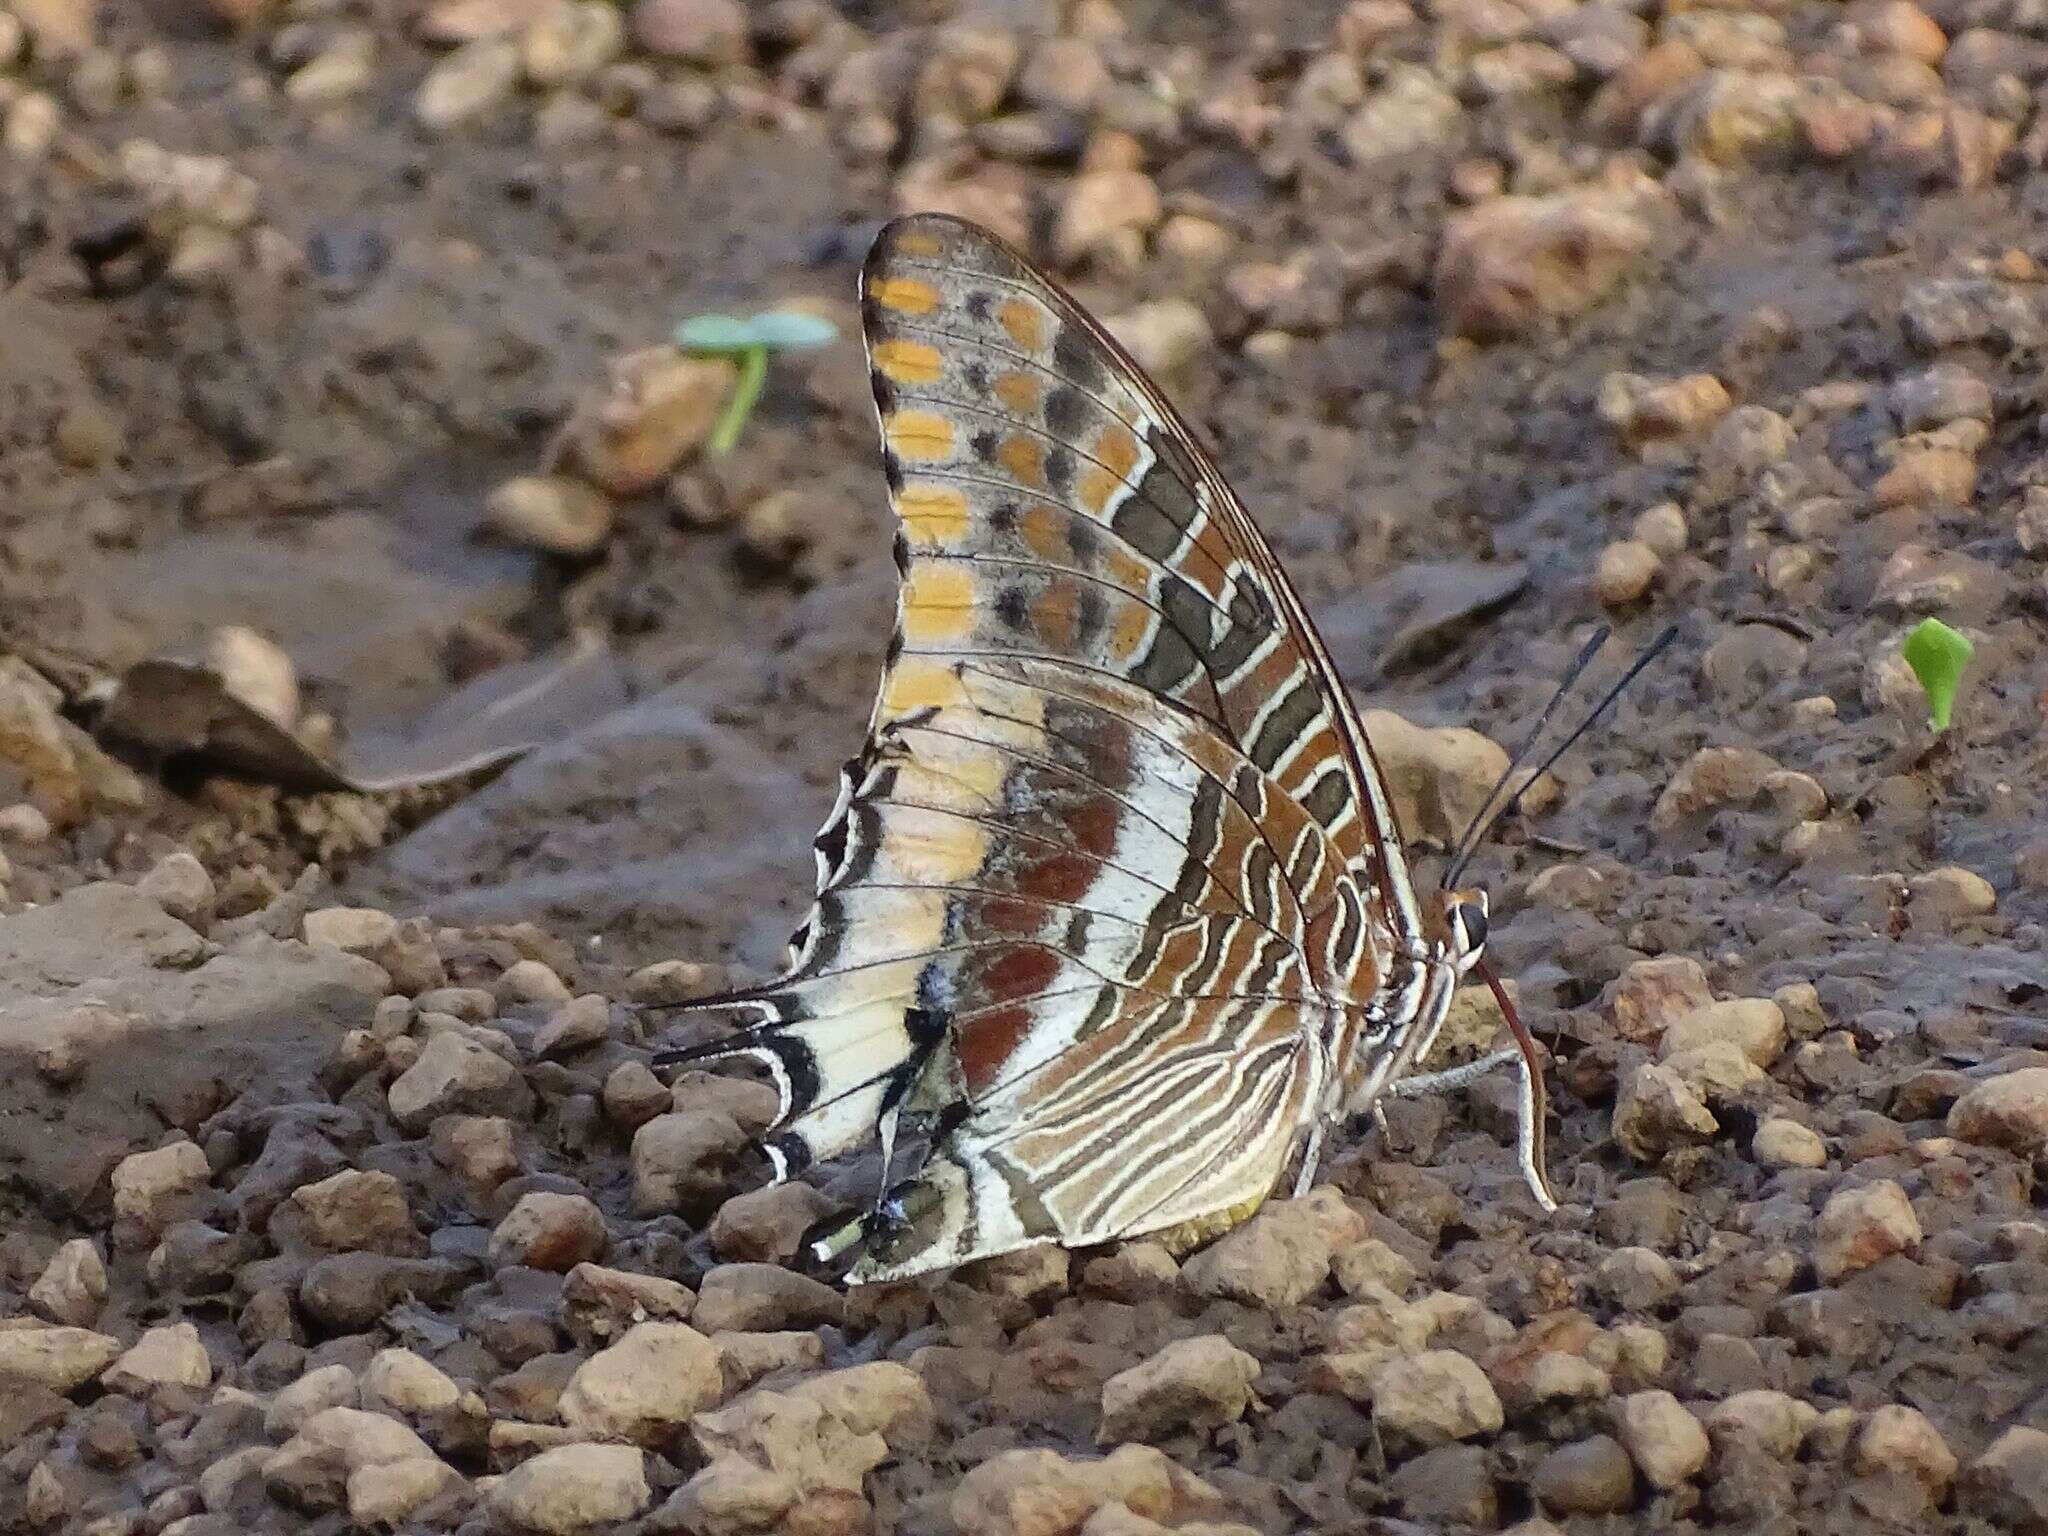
x: 1025, y: 323
x: 919, y: 242
x: 1117, y: 449
x: 1129, y: 572
x: 1002, y: 914
x: 1044, y: 532
x: 918, y: 435
x: 1210, y: 541
x: 1024, y: 457
x: 1182, y: 948
x: 1053, y: 613
x: 903, y: 361
x: 1063, y: 877
x: 917, y: 684
x: 1093, y: 825
x: 933, y: 515
x: 905, y: 295
x: 1132, y: 626
x: 1095, y: 487
x: 938, y: 602
x: 1018, y: 392
x: 1021, y: 972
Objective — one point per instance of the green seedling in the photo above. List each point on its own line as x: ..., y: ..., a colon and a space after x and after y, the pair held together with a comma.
x: 749, y: 342
x: 1937, y: 655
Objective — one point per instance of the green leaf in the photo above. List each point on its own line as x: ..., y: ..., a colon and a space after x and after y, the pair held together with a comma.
x: 1937, y: 655
x: 792, y: 328
x: 716, y: 333
x: 778, y: 329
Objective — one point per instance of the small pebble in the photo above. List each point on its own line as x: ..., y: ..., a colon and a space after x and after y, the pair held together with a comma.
x: 1781, y: 1143
x: 1624, y: 572
x: 1661, y: 529
x: 345, y: 68
x: 2009, y: 1111
x: 554, y: 1232
x: 1667, y: 1443
x: 1896, y: 1438
x: 551, y: 513
x: 1588, y: 1477
x: 180, y: 885
x: 530, y: 981
x: 1861, y: 1226
x: 467, y: 84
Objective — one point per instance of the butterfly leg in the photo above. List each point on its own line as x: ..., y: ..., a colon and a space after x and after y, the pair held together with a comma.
x: 1311, y: 1160
x: 1528, y: 1109
x: 1452, y: 1077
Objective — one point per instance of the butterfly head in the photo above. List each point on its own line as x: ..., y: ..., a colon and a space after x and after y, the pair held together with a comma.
x: 1461, y: 918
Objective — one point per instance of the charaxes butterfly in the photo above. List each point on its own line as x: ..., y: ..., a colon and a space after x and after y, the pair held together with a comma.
x: 1113, y: 915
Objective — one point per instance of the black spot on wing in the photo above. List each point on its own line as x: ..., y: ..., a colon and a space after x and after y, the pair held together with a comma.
x: 1187, y: 610
x: 1059, y: 471
x: 1077, y: 356
x: 1168, y: 664
x: 1066, y: 410
x: 1146, y: 529
x: 1328, y: 796
x: 1085, y: 542
x: 1012, y: 607
x: 1091, y: 611
x: 1285, y: 724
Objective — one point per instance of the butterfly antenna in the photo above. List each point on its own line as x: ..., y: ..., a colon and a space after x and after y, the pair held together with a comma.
x: 1481, y: 818
x: 1470, y: 843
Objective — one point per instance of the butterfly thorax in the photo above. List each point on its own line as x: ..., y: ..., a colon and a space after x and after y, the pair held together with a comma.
x: 1403, y: 991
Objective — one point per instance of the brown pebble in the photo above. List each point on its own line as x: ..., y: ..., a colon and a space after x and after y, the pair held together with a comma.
x: 1589, y: 1477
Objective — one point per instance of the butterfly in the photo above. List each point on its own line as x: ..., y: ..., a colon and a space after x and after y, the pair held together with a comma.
x: 1114, y: 919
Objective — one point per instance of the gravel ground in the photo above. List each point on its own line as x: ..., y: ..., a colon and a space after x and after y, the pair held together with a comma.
x: 335, y: 1190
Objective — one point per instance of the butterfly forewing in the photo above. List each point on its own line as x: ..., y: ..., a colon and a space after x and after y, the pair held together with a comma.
x: 1106, y: 889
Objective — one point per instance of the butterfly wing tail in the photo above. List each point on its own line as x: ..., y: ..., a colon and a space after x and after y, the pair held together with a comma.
x: 835, y: 1244
x: 907, y: 1235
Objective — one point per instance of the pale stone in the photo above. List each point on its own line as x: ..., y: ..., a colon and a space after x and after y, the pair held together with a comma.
x: 573, y: 1487
x: 646, y: 1386
x: 171, y: 1356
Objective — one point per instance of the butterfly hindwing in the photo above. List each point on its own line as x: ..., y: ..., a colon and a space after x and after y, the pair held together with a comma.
x: 1114, y: 853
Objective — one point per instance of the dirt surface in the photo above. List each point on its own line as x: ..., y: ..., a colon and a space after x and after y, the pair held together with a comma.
x: 1505, y: 319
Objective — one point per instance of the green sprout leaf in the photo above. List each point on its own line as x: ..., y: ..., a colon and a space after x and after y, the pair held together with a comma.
x: 1937, y: 655
x: 716, y: 333
x: 780, y: 330
x: 750, y: 341
x: 791, y: 329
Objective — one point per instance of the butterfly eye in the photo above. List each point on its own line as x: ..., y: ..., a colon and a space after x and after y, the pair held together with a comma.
x: 1472, y: 921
